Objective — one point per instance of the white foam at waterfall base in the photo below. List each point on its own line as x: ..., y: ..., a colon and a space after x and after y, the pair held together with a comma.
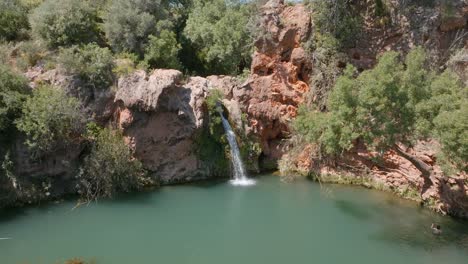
x: 242, y: 182
x: 240, y: 176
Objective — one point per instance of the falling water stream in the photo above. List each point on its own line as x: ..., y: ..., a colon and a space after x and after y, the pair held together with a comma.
x: 240, y: 176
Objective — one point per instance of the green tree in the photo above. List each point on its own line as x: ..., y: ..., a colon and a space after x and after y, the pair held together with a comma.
x: 13, y: 92
x: 162, y: 51
x: 65, y: 22
x: 218, y: 29
x: 110, y: 167
x: 445, y: 94
x: 451, y: 128
x: 382, y: 113
x: 94, y: 65
x: 50, y: 117
x: 388, y: 105
x: 13, y: 20
x: 129, y: 23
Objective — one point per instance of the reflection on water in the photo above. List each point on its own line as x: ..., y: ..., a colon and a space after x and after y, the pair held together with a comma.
x: 353, y: 210
x: 402, y: 222
x: 417, y: 233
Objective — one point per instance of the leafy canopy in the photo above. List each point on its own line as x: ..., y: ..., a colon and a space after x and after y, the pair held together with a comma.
x: 218, y: 29
x: 129, y: 23
x: 13, y: 20
x: 13, y: 92
x: 94, y: 65
x: 162, y: 51
x: 65, y: 22
x: 50, y: 117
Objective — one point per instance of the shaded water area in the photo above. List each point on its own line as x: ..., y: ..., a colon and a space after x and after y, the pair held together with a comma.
x: 271, y: 222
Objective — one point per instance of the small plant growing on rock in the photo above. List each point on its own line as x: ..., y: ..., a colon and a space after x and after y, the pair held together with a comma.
x: 110, y: 167
x: 211, y: 143
x: 13, y: 93
x: 13, y: 20
x: 94, y: 65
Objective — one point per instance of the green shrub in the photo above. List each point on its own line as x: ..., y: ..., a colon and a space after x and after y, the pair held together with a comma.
x: 13, y: 20
x: 6, y: 51
x: 110, y: 167
x: 29, y: 53
x: 94, y: 65
x: 125, y: 64
x: 451, y: 128
x: 444, y: 95
x: 129, y: 23
x: 162, y: 51
x: 13, y: 92
x: 65, y: 22
x: 218, y: 29
x: 50, y: 117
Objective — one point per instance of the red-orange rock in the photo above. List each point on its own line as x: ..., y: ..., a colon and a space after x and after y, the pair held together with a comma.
x: 280, y: 71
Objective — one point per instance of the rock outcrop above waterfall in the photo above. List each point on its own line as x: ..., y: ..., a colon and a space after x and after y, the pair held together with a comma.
x: 161, y: 117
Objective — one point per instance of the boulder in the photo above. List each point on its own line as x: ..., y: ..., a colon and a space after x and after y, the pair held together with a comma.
x: 161, y: 119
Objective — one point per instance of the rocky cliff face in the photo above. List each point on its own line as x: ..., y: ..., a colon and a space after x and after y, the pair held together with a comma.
x: 162, y: 118
x: 440, y: 27
x: 279, y: 75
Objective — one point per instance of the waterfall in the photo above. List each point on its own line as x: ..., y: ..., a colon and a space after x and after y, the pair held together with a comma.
x: 240, y: 176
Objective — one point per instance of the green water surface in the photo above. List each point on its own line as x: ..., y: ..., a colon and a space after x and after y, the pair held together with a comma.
x: 271, y: 222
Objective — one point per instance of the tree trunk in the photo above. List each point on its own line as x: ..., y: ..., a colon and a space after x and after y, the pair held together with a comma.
x: 425, y: 169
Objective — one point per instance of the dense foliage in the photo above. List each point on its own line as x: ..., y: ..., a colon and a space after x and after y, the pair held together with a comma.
x: 110, y: 167
x: 198, y: 37
x: 13, y: 20
x: 65, y: 22
x: 129, y: 23
x: 50, y: 117
x: 13, y: 93
x: 91, y: 63
x: 218, y: 28
x: 162, y: 51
